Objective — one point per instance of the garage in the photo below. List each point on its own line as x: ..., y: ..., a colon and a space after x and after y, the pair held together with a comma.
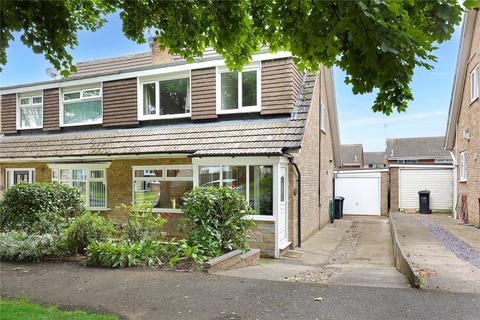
x: 362, y: 190
x: 437, y: 179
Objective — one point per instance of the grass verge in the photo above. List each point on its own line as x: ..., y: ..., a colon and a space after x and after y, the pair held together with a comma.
x: 24, y: 310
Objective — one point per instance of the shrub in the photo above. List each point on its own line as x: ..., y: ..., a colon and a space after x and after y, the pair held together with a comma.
x: 86, y: 229
x: 142, y: 224
x: 122, y: 253
x: 39, y: 207
x: 20, y: 246
x: 214, y: 218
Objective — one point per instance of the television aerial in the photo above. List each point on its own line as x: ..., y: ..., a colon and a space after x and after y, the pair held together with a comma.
x: 52, y: 73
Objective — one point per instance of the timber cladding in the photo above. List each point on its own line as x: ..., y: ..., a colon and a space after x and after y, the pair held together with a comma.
x: 9, y: 113
x: 203, y: 91
x: 281, y: 82
x: 51, y: 102
x: 120, y: 102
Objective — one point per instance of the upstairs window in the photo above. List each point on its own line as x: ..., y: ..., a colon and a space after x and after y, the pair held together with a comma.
x: 82, y: 107
x: 169, y: 98
x: 474, y: 87
x: 238, y: 91
x: 30, y: 111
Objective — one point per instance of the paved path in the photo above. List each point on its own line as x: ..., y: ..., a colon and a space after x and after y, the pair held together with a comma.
x: 352, y: 251
x: 149, y: 294
x: 441, y: 268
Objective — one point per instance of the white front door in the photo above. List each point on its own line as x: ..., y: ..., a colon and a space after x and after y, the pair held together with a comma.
x: 282, y: 208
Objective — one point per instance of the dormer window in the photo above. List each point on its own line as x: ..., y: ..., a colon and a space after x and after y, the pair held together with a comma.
x: 30, y: 111
x: 238, y: 91
x: 82, y: 106
x: 164, y: 98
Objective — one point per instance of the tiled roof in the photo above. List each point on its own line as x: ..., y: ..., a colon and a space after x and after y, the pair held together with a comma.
x: 108, y: 65
x: 351, y: 153
x: 242, y: 137
x: 417, y: 148
x: 374, y: 158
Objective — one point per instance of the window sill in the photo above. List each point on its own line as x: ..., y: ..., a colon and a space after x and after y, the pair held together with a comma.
x: 260, y: 218
x: 168, y: 116
x: 473, y: 100
x: 99, y: 209
x: 160, y: 210
x: 30, y: 128
x: 81, y: 124
x: 462, y: 180
x: 241, y: 110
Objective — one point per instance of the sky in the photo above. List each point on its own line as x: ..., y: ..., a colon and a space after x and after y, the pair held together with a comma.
x: 426, y: 115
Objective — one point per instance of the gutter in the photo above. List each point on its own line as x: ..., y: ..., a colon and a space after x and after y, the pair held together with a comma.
x: 299, y: 197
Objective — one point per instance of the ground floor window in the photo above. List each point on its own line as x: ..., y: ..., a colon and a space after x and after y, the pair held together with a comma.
x: 17, y: 175
x: 90, y: 182
x: 164, y: 187
x: 254, y: 182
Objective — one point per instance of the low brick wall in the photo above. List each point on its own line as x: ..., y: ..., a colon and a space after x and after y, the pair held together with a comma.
x: 232, y: 260
x: 263, y: 237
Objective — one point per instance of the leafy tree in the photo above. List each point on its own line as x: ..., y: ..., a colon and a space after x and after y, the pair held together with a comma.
x: 378, y: 43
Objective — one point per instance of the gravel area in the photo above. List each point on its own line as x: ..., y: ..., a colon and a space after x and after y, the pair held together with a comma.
x: 461, y: 249
x: 341, y: 255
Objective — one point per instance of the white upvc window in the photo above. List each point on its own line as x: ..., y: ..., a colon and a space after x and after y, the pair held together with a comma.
x: 463, y: 166
x: 89, y: 179
x: 474, y: 84
x: 238, y: 91
x: 81, y: 106
x: 16, y: 175
x: 30, y: 110
x: 164, y: 97
x: 323, y: 112
x: 254, y: 182
x: 162, y: 186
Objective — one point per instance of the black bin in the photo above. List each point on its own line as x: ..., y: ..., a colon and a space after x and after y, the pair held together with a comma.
x: 424, y: 201
x: 339, y: 207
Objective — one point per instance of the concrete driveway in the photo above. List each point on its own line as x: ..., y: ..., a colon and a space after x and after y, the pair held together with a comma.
x: 356, y: 250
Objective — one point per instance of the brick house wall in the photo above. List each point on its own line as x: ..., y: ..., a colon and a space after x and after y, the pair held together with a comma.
x: 469, y: 118
x: 317, y: 171
x: 384, y: 177
x: 394, y: 205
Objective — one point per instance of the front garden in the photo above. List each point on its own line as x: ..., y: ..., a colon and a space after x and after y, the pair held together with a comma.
x: 42, y: 221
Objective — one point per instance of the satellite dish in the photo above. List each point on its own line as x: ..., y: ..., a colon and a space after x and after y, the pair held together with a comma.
x: 52, y: 73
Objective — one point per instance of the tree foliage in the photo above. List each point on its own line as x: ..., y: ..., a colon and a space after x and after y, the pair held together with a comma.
x: 378, y: 43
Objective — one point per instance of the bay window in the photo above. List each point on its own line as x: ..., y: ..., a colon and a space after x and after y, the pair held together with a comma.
x: 238, y: 91
x: 165, y: 98
x: 91, y: 182
x: 30, y: 111
x: 82, y: 107
x: 164, y: 187
x: 254, y: 182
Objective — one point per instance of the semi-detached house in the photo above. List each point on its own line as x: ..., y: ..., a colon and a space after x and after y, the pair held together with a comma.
x: 150, y: 127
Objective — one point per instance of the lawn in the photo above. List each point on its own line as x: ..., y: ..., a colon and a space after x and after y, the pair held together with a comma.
x: 24, y: 310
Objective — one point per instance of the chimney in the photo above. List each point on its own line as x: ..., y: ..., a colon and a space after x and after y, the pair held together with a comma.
x: 159, y: 56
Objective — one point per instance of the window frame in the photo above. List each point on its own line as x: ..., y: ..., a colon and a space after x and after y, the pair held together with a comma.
x: 164, y: 177
x: 474, y: 84
x: 462, y: 167
x: 9, y: 174
x: 81, y: 90
x: 19, y: 106
x: 88, y: 167
x: 241, y: 109
x: 156, y: 80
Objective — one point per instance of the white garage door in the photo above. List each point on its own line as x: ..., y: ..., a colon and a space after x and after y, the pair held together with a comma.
x: 361, y: 192
x: 438, y: 181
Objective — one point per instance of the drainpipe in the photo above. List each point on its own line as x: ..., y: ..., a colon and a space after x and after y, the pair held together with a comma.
x: 299, y: 197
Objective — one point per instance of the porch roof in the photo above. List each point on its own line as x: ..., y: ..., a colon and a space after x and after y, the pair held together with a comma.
x: 233, y: 137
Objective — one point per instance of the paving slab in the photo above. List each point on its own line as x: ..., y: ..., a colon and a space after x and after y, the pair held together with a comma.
x: 439, y: 268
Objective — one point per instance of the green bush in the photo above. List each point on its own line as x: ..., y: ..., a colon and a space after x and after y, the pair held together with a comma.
x: 86, y: 229
x: 214, y: 219
x: 122, y: 253
x: 39, y: 207
x: 20, y: 246
x: 142, y: 224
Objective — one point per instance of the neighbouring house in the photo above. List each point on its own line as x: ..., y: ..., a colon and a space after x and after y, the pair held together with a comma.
x: 351, y: 155
x: 150, y: 127
x: 419, y: 150
x: 375, y: 160
x: 463, y: 129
